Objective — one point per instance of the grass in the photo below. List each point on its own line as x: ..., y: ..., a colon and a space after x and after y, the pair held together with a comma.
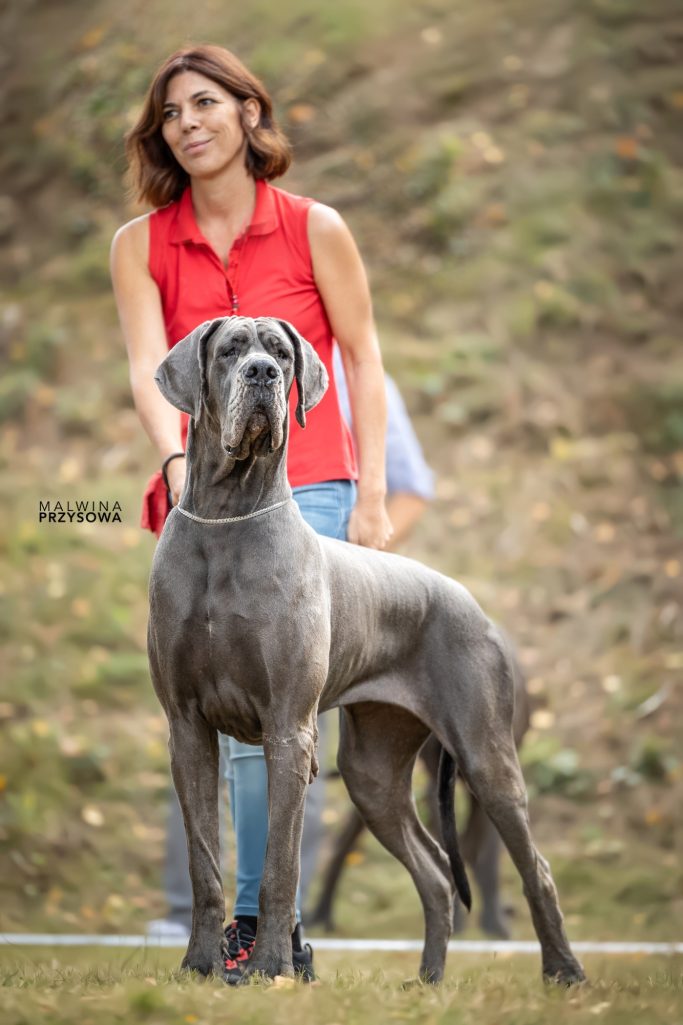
x: 144, y: 986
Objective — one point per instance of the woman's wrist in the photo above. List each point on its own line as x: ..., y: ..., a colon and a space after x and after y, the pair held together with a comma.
x: 169, y: 449
x: 372, y: 485
x: 166, y: 463
x: 371, y: 492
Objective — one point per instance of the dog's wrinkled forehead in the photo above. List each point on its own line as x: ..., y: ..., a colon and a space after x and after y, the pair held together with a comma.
x: 241, y: 336
x: 271, y: 332
x: 240, y: 330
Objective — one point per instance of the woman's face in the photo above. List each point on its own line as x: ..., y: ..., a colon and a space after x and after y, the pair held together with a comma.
x: 202, y: 126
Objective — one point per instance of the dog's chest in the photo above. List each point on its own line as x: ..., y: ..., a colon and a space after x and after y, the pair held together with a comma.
x: 231, y: 709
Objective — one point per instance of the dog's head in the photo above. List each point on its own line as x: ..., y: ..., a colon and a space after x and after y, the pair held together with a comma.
x: 239, y: 372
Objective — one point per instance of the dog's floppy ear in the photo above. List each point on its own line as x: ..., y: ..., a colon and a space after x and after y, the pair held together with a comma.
x: 309, y: 372
x: 181, y: 377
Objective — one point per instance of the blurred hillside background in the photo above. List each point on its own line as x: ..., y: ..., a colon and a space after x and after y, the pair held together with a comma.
x: 512, y: 172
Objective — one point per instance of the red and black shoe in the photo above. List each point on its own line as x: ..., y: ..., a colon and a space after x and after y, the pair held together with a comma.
x: 241, y: 939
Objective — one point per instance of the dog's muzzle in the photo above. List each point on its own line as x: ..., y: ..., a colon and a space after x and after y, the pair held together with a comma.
x: 257, y: 407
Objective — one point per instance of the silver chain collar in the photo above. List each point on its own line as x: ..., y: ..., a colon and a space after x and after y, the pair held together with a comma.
x: 233, y: 519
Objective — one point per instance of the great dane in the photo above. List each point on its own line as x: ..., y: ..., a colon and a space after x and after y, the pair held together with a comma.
x: 257, y: 624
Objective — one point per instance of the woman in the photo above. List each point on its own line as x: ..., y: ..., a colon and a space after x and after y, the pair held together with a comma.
x: 223, y: 241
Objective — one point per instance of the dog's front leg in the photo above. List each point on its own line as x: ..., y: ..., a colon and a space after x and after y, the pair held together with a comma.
x: 289, y: 755
x: 193, y: 745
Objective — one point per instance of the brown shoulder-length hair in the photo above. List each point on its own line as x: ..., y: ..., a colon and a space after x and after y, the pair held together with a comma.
x: 154, y: 174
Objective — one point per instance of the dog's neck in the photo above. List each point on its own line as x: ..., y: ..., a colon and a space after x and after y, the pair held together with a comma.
x: 218, y: 486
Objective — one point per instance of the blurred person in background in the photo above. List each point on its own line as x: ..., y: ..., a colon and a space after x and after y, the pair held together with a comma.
x: 410, y: 487
x: 410, y: 481
x: 222, y: 241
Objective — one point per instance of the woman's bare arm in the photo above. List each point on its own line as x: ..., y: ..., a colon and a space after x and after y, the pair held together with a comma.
x: 142, y: 323
x: 342, y: 283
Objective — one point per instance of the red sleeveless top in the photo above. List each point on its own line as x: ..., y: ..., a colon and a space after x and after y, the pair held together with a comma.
x: 269, y: 274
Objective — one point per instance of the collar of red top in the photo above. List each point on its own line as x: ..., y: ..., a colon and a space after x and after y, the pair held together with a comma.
x: 263, y: 221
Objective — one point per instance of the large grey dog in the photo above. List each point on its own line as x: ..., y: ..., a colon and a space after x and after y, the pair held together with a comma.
x: 257, y: 624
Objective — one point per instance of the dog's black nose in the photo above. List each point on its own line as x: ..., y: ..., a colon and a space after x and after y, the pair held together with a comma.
x: 260, y: 371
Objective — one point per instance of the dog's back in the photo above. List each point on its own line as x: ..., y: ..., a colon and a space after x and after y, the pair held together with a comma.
x: 394, y: 617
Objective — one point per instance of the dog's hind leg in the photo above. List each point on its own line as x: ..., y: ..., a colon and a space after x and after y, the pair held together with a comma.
x: 377, y: 751
x: 474, y: 722
x: 193, y: 746
x: 496, y: 781
x: 489, y: 764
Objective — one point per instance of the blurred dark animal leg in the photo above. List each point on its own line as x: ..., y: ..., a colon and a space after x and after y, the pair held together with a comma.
x: 430, y: 753
x: 482, y: 848
x: 323, y: 913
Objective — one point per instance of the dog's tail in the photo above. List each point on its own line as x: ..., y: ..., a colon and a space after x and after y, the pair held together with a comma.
x: 449, y: 834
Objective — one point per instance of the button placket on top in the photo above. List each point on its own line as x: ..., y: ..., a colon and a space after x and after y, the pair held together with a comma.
x: 232, y: 272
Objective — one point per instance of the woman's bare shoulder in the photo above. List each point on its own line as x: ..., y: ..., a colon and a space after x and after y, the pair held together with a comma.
x: 329, y: 236
x: 132, y: 238
x: 324, y: 221
x: 328, y: 233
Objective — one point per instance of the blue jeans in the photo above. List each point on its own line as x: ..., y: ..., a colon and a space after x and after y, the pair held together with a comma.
x: 326, y: 507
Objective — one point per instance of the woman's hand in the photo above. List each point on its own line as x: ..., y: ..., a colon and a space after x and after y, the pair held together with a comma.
x: 175, y: 471
x: 369, y: 523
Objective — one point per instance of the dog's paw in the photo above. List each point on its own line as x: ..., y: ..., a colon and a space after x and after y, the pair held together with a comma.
x: 207, y: 960
x: 266, y: 969
x: 428, y: 977
x: 570, y: 973
x: 201, y: 966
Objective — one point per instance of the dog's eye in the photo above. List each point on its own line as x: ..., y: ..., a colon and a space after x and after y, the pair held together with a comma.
x: 229, y: 353
x: 282, y: 354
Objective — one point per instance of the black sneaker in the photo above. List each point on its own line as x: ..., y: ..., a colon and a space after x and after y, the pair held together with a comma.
x: 241, y: 939
x: 303, y: 963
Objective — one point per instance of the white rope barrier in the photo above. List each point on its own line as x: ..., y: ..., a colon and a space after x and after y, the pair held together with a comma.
x: 21, y: 939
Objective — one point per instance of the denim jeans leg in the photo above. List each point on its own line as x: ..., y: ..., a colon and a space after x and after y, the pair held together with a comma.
x: 343, y: 495
x: 248, y: 786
